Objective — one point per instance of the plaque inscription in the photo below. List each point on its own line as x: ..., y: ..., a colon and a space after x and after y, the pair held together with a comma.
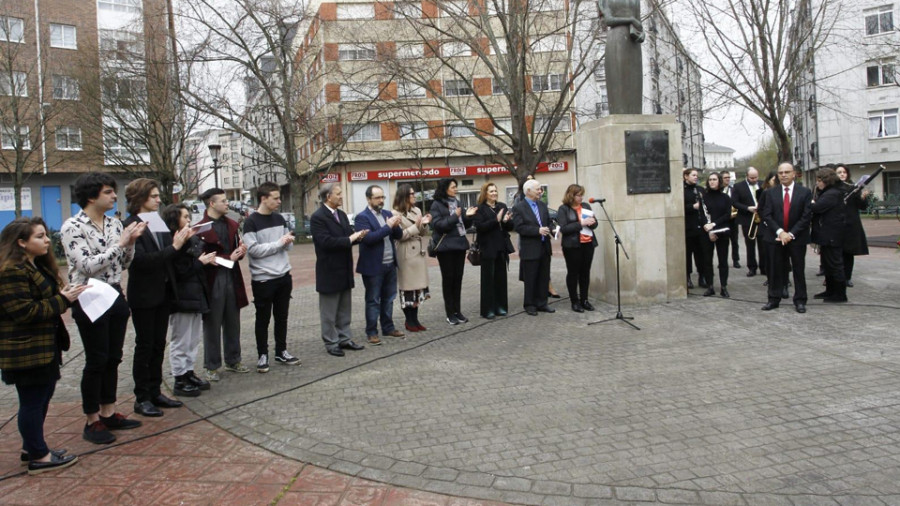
x: 647, y: 161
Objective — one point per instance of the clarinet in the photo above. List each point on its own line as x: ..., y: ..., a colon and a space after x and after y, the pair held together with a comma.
x: 699, y: 195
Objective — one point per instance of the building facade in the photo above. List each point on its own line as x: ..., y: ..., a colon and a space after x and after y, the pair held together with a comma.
x: 718, y: 157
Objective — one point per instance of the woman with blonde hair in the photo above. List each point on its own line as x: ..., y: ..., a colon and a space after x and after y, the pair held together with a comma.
x: 32, y: 333
x: 412, y: 265
x: 492, y: 224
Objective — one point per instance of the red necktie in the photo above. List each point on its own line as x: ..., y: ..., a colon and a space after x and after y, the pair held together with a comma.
x: 787, y: 207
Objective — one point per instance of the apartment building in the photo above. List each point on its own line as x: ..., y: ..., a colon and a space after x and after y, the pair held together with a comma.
x: 718, y: 157
x: 846, y: 111
x: 227, y: 172
x: 53, y: 54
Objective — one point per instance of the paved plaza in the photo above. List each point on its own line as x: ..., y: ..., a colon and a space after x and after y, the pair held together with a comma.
x: 712, y: 401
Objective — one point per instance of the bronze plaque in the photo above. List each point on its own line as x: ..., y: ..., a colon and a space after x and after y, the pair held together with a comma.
x: 647, y: 161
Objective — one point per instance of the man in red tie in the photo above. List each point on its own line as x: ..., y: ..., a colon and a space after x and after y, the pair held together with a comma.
x: 787, y: 215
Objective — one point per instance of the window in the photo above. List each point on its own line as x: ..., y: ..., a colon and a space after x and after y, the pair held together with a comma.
x: 65, y: 87
x: 410, y: 50
x: 414, y: 130
x: 495, y: 6
x: 63, y: 36
x: 460, y: 129
x: 123, y: 92
x: 17, y: 85
x: 542, y: 123
x: 356, y: 11
x: 878, y: 75
x: 122, y: 143
x: 548, y: 5
x: 449, y: 49
x: 549, y: 82
x: 880, y: 20
x: 501, y: 47
x: 358, y: 92
x: 502, y: 126
x: 120, y: 45
x: 454, y: 8
x: 408, y: 9
x: 12, y: 29
x: 498, y: 87
x: 406, y: 89
x: 68, y: 139
x: 457, y: 88
x: 120, y: 5
x: 356, y: 51
x: 601, y: 108
x: 360, y: 133
x: 550, y: 43
x: 600, y: 70
x: 883, y: 124
x: 9, y: 139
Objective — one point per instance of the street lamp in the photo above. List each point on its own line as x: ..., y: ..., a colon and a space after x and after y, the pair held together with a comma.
x: 214, y: 153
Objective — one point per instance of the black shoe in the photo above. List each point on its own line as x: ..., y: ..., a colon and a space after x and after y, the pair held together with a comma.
x: 185, y: 388
x: 737, y: 264
x: 587, y: 305
x: 709, y: 292
x: 801, y: 307
x: 690, y: 284
x: 822, y: 295
x: 553, y: 295
x: 56, y: 462
x: 751, y: 273
x: 350, y: 345
x: 461, y: 318
x: 199, y: 382
x: 784, y: 293
x: 770, y: 306
x: 702, y: 283
x: 452, y: 320
x: 577, y: 307
x: 161, y: 401
x: 546, y: 309
x: 725, y: 293
x: 337, y: 352
x: 146, y: 408
x: 835, y: 298
x: 849, y: 284
x: 98, y: 433
x: 501, y: 311
x: 531, y: 311
x: 118, y: 422
x: 59, y: 453
x: 490, y: 315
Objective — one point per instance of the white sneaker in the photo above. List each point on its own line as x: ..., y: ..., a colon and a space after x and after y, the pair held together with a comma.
x: 212, y: 375
x: 262, y: 365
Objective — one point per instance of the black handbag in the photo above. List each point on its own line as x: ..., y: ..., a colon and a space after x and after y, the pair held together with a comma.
x: 474, y: 254
x: 433, y: 246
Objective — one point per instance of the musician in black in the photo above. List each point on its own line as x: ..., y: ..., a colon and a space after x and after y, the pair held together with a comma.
x: 716, y: 205
x: 855, y: 242
x: 692, y: 223
x: 828, y: 231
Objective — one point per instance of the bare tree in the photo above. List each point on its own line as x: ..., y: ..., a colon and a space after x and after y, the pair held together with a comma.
x: 758, y: 51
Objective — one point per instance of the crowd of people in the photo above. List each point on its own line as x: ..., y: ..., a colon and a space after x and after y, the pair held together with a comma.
x: 778, y: 219
x: 185, y: 282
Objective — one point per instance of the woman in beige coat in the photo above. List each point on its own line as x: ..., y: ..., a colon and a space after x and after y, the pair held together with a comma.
x: 412, y: 264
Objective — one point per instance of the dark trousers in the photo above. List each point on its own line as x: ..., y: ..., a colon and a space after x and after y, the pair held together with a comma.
x: 536, y: 275
x: 779, y: 259
x: 150, y: 328
x: 381, y: 290
x: 578, y: 270
x: 733, y: 238
x: 849, y: 260
x: 34, y: 401
x: 493, y: 284
x: 271, y: 298
x: 102, y: 340
x: 693, y: 248
x: 452, y: 264
x: 833, y: 262
x: 720, y: 247
x: 753, y: 246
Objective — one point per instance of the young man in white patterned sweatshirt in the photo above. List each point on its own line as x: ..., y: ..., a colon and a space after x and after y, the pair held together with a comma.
x: 268, y: 239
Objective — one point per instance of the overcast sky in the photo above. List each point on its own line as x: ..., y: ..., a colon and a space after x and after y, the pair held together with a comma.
x: 736, y: 129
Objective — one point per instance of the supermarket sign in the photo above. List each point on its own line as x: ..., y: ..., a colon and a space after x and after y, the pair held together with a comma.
x: 439, y: 172
x: 331, y: 177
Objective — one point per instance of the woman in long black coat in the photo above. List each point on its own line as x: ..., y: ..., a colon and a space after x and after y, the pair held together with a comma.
x: 855, y: 242
x: 492, y: 224
x: 450, y: 221
x: 717, y: 211
x: 692, y: 223
x: 828, y: 231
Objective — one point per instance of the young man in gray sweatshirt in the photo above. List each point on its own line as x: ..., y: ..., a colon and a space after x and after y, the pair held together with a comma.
x: 268, y: 239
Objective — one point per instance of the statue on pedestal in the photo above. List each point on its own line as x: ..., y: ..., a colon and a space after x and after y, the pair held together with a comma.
x: 623, y: 61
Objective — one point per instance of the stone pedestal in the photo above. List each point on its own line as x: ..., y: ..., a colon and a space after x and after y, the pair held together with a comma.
x: 650, y: 225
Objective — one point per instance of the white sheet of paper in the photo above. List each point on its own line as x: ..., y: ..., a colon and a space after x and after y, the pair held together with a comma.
x: 202, y: 227
x: 97, y: 299
x: 154, y: 222
x: 586, y: 213
x: 224, y: 262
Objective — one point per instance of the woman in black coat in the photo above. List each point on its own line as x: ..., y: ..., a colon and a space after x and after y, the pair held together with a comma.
x: 450, y: 222
x: 828, y: 231
x: 493, y: 223
x: 716, y: 206
x: 855, y: 242
x: 575, y: 218
x: 190, y: 303
x: 692, y: 224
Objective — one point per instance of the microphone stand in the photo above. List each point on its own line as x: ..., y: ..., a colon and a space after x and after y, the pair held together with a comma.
x: 619, y: 316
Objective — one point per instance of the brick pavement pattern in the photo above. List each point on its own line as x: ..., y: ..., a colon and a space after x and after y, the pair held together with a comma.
x: 711, y: 402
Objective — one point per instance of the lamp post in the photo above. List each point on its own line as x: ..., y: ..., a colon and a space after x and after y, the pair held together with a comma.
x: 214, y: 153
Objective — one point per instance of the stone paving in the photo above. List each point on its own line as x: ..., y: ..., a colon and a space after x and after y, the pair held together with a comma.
x: 712, y: 402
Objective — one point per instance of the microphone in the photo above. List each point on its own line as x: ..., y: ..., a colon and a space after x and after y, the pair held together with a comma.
x: 596, y: 201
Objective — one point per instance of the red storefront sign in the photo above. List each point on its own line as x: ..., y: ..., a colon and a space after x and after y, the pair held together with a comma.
x: 438, y: 172
x: 331, y: 177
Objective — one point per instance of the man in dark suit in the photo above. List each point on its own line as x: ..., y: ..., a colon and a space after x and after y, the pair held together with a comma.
x: 743, y: 198
x: 378, y: 264
x: 728, y: 189
x: 150, y: 278
x: 787, y: 213
x: 531, y: 221
x: 333, y: 239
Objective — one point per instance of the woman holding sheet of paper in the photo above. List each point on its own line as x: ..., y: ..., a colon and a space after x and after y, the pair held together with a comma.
x: 576, y: 225
x: 716, y: 206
